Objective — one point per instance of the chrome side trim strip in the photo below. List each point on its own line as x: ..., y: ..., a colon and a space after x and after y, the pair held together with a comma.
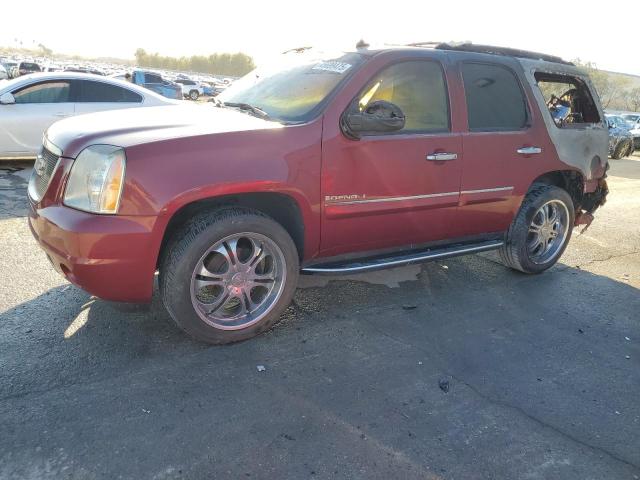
x: 19, y: 158
x: 488, y: 190
x: 406, y: 261
x: 391, y: 199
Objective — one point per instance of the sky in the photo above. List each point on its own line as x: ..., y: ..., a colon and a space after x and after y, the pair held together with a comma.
x: 116, y: 28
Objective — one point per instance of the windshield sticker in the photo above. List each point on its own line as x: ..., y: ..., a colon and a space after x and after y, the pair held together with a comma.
x: 335, y: 67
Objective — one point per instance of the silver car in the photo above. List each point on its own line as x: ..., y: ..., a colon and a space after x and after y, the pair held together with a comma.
x: 31, y: 103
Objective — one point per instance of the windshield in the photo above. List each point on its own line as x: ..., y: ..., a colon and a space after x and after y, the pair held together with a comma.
x: 615, y: 120
x: 294, y: 90
x: 631, y: 118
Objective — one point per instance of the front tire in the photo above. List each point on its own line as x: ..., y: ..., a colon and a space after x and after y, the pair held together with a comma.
x: 541, y: 230
x: 621, y: 149
x: 228, y: 275
x: 193, y: 95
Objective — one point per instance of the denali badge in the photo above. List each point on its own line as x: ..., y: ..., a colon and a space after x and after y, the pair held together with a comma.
x: 39, y: 165
x: 342, y: 198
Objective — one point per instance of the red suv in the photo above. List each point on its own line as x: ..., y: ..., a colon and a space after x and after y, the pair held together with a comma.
x: 324, y: 164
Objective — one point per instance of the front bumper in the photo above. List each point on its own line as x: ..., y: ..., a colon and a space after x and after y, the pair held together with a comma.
x: 108, y: 256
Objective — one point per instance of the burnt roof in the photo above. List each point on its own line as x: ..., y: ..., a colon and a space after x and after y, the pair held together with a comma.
x: 492, y: 50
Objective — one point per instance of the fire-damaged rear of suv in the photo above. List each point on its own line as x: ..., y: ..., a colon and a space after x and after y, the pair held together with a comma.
x: 577, y: 128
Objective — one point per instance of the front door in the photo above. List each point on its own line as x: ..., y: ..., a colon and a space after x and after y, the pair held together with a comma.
x: 390, y: 190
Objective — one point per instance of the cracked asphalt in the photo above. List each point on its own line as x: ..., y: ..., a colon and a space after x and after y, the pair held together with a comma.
x: 455, y: 369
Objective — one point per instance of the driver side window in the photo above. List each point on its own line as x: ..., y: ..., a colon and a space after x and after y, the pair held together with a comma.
x: 44, y: 92
x: 418, y: 88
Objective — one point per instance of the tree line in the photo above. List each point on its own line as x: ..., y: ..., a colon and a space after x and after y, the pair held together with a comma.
x: 230, y: 64
x: 616, y: 91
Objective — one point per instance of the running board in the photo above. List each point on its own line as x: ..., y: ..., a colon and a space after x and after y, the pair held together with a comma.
x: 400, y: 260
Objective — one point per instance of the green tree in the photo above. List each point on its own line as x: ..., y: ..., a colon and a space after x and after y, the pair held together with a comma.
x: 46, y: 52
x: 611, y: 88
x: 231, y: 64
x: 633, y: 99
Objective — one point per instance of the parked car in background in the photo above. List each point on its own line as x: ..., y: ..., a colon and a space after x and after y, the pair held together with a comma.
x: 190, y: 89
x: 25, y: 68
x: 10, y: 67
x: 209, y: 90
x: 31, y: 103
x: 634, y: 120
x: 4, y: 75
x: 155, y: 82
x: 332, y: 164
x: 621, y: 142
x: 52, y: 68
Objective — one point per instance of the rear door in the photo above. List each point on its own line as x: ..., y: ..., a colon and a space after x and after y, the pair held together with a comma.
x: 37, y: 106
x: 95, y: 96
x: 502, y: 149
x: 389, y: 190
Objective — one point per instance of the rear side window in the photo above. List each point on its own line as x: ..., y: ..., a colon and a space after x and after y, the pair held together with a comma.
x: 100, y: 92
x: 495, y: 100
x: 44, y: 92
x: 418, y: 88
x: 568, y: 99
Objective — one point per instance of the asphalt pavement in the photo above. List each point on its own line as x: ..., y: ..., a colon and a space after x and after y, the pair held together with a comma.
x: 457, y: 369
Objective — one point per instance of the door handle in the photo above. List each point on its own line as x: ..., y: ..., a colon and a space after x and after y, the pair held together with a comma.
x: 529, y: 150
x: 439, y: 157
x: 62, y: 114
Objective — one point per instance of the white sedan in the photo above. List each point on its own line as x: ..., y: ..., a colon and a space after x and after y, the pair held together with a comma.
x: 30, y: 104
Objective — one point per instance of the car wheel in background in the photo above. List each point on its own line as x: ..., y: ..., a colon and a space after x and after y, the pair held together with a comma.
x: 193, y: 95
x: 620, y: 151
x: 228, y: 275
x: 540, y: 231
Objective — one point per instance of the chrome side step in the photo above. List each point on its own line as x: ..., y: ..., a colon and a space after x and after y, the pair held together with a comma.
x: 400, y: 260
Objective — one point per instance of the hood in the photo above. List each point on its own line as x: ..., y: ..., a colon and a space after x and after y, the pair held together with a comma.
x: 128, y: 127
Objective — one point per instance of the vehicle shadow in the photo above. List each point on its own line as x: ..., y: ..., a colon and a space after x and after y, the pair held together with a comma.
x: 14, y: 178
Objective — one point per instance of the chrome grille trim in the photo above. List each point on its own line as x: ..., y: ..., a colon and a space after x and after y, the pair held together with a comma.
x: 42, y: 174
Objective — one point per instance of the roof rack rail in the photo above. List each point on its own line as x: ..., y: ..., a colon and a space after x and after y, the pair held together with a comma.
x: 471, y: 47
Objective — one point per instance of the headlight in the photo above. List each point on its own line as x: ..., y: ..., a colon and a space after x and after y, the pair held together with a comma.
x: 96, y: 179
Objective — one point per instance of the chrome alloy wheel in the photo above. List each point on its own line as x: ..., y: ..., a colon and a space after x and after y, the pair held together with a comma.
x: 238, y: 280
x: 548, y: 231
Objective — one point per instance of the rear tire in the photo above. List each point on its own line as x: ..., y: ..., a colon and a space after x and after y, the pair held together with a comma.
x: 541, y: 230
x: 228, y: 275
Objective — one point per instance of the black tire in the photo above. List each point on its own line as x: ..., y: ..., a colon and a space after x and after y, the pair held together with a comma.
x: 193, y: 95
x: 629, y: 152
x: 514, y: 253
x: 621, y: 149
x: 187, y: 247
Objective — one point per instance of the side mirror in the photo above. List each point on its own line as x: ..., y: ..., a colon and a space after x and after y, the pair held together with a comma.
x: 7, y: 99
x: 378, y: 117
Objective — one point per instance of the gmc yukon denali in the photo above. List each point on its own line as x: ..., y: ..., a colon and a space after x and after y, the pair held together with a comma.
x: 322, y: 164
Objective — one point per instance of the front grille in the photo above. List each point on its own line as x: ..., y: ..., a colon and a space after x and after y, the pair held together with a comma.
x: 42, y: 172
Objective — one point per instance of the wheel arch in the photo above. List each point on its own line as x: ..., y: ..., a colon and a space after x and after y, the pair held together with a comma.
x: 282, y: 207
x: 572, y: 181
